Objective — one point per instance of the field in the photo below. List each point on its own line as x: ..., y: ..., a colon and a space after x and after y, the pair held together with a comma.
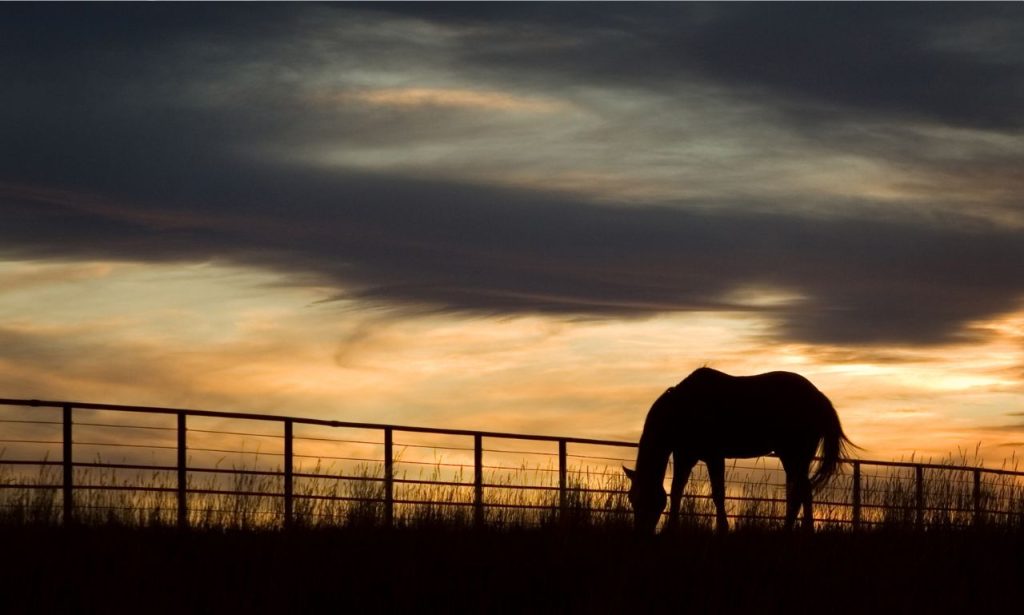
x: 154, y: 570
x: 219, y: 518
x: 125, y: 553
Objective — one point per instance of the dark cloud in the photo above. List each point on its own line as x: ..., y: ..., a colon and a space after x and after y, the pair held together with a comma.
x: 431, y: 245
x: 871, y: 58
x: 132, y: 136
x: 959, y: 65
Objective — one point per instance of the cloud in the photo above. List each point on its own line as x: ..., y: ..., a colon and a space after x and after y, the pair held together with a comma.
x: 43, y: 275
x: 721, y: 149
x: 432, y: 245
x: 1012, y: 427
x: 957, y: 65
x: 488, y: 100
x: 653, y: 107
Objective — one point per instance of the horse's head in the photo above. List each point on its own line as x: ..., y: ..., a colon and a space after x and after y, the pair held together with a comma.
x: 648, y: 500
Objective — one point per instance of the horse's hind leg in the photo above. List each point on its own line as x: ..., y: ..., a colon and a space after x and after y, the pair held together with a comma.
x: 716, y: 473
x: 792, y: 503
x: 798, y: 490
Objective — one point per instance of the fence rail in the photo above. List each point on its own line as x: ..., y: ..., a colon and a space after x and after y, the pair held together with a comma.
x: 862, y: 500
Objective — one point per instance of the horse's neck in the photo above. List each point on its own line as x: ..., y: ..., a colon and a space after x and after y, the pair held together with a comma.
x: 652, y: 459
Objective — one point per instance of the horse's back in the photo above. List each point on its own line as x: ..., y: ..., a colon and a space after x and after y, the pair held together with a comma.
x: 783, y: 389
x: 748, y: 416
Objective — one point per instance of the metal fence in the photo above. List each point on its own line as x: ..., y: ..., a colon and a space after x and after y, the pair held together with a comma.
x: 174, y: 469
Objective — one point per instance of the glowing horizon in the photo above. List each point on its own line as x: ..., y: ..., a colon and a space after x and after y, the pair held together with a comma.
x: 248, y: 341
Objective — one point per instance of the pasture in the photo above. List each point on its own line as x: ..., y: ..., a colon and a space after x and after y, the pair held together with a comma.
x: 207, y: 512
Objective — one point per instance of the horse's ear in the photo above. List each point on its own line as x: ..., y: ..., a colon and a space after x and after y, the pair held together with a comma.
x: 631, y: 474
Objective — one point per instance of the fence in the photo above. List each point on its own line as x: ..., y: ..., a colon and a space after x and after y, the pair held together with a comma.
x: 572, y: 479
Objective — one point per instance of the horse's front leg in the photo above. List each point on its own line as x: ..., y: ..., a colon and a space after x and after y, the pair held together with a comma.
x: 716, y: 473
x: 808, y: 504
x: 681, y: 473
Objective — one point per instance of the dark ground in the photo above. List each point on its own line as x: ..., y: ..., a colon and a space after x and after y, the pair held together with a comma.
x: 410, y: 571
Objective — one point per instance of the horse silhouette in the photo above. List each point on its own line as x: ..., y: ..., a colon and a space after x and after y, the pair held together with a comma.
x: 711, y: 416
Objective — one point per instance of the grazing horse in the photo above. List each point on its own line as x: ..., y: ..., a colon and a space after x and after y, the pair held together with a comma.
x: 711, y: 416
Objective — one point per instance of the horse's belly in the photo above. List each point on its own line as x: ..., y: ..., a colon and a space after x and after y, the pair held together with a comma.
x: 738, y: 444
x: 743, y: 452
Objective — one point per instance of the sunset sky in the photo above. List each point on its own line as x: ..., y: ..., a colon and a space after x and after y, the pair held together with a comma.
x: 518, y: 217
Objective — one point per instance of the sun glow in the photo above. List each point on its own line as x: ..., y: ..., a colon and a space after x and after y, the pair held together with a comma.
x: 243, y: 340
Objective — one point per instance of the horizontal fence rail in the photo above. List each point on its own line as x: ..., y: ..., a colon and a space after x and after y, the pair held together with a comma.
x: 400, y: 474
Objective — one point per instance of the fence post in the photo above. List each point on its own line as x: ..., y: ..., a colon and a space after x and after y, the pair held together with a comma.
x: 289, y: 504
x: 919, y: 495
x: 563, y: 495
x: 69, y: 468
x: 389, y: 477
x: 856, y: 495
x: 977, y: 497
x: 478, y: 481
x: 182, y: 472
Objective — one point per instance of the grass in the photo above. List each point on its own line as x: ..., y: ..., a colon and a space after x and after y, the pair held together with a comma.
x: 240, y: 498
x: 125, y: 553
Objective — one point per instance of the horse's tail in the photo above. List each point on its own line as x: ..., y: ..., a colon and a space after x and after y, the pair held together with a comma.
x: 834, y: 447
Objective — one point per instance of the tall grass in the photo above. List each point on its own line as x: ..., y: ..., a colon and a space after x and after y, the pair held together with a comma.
x: 528, y: 497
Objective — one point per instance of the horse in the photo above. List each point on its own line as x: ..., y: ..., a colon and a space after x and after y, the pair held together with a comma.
x: 711, y: 416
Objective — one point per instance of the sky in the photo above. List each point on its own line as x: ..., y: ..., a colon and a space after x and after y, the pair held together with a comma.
x: 518, y: 217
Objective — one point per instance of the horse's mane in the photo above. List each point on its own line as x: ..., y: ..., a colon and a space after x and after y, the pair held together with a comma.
x: 702, y: 374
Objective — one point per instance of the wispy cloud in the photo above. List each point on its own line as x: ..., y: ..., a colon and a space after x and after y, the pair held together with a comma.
x: 488, y: 100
